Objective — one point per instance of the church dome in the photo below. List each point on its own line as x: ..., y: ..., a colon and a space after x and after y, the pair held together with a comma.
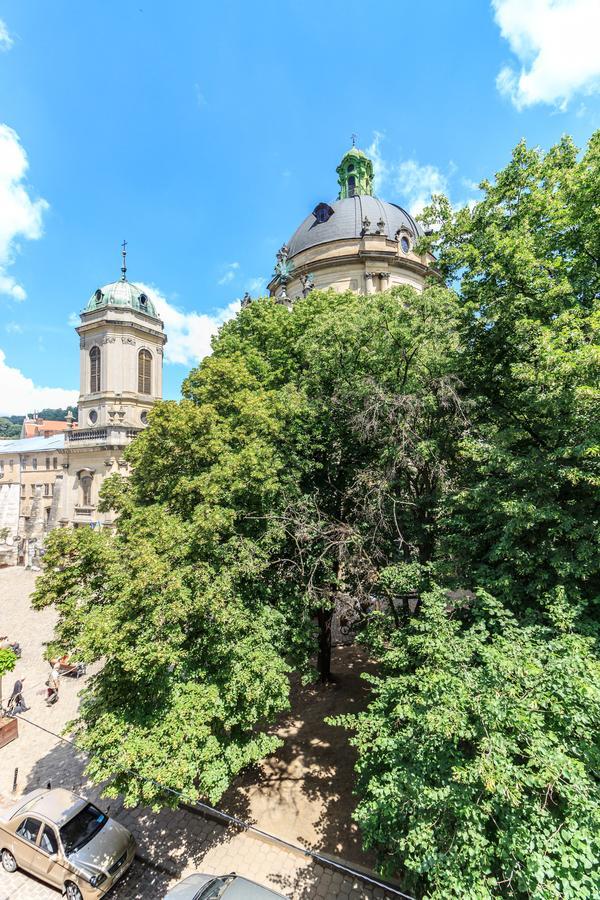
x: 345, y: 219
x: 122, y: 293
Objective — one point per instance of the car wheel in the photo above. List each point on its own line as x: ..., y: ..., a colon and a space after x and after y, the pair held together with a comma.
x: 72, y: 892
x: 8, y: 861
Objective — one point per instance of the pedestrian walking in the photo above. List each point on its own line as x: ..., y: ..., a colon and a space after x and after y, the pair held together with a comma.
x: 52, y: 685
x: 16, y: 701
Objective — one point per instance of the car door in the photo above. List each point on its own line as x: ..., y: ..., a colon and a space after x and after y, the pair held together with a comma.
x: 47, y: 862
x: 26, y: 836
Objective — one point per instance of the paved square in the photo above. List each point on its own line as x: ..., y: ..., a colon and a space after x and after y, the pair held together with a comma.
x: 172, y: 843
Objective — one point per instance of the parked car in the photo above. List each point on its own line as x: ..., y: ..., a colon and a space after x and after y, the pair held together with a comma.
x: 66, y: 841
x: 229, y: 887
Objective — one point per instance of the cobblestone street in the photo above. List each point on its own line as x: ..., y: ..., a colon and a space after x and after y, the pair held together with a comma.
x: 172, y: 843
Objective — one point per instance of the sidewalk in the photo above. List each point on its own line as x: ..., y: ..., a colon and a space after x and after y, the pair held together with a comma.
x: 302, y: 793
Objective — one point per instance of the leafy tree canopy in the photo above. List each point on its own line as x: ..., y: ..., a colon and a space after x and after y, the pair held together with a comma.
x: 310, y: 446
x: 478, y: 756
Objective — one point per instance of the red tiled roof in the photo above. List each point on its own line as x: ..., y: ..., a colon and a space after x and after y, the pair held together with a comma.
x: 44, y: 427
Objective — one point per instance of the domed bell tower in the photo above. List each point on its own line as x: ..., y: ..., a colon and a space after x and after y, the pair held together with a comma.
x: 121, y: 340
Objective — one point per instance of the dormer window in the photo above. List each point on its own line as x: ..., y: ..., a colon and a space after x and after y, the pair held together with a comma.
x: 322, y: 212
x: 143, y: 301
x: 99, y: 297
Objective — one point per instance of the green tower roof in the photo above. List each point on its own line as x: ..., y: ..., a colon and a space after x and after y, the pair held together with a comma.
x: 355, y: 174
x: 122, y: 293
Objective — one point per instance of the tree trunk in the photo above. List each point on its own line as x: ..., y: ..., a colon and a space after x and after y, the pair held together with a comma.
x: 324, y: 618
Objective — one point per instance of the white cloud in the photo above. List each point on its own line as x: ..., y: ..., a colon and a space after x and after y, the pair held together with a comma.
x: 73, y: 321
x: 416, y: 183
x: 255, y: 285
x: 407, y: 179
x: 229, y: 274
x: 20, y: 216
x: 19, y: 394
x: 6, y: 41
x: 380, y: 167
x: 556, y: 42
x: 13, y: 328
x: 200, y: 98
x: 188, y: 334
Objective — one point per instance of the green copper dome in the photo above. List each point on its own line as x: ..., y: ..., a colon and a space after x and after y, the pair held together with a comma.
x: 122, y: 293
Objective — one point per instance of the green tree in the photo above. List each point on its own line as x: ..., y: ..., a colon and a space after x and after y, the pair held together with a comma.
x: 523, y: 519
x: 307, y: 448
x: 9, y: 430
x: 8, y: 660
x: 478, y: 756
x: 194, y: 667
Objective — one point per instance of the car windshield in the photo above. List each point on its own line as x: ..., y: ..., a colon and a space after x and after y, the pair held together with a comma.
x: 215, y: 888
x: 82, y: 828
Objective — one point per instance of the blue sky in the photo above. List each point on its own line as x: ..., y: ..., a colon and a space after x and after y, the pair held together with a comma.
x: 204, y: 133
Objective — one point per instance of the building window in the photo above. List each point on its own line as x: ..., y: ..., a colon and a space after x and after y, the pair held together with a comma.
x: 351, y: 186
x: 86, y: 490
x: 47, y: 462
x: 11, y: 464
x: 46, y: 490
x: 34, y: 464
x: 351, y: 167
x: 54, y: 463
x: 33, y: 490
x: 94, y: 370
x: 322, y: 212
x: 145, y: 372
x: 405, y: 243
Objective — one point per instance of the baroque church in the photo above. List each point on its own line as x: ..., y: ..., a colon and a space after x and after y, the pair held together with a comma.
x: 356, y: 242
x: 55, y: 481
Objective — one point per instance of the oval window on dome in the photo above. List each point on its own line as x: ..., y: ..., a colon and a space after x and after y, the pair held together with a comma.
x: 351, y: 167
x: 143, y: 300
x: 405, y: 243
x: 99, y: 296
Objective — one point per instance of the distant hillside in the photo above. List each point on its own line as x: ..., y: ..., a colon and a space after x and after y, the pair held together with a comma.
x: 10, y: 427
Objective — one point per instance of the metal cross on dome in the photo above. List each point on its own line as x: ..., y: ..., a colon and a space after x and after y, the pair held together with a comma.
x: 354, y: 138
x: 124, y: 266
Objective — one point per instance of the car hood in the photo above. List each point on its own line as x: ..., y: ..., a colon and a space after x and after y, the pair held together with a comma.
x: 105, y: 848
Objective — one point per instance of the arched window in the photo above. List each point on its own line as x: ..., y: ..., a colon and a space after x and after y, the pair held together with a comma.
x: 351, y: 186
x: 86, y: 490
x: 144, y: 372
x: 94, y: 370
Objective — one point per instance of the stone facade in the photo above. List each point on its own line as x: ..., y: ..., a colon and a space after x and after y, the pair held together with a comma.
x: 56, y: 481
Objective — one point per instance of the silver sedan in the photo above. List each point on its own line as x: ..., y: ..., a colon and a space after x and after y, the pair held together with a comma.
x: 214, y: 887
